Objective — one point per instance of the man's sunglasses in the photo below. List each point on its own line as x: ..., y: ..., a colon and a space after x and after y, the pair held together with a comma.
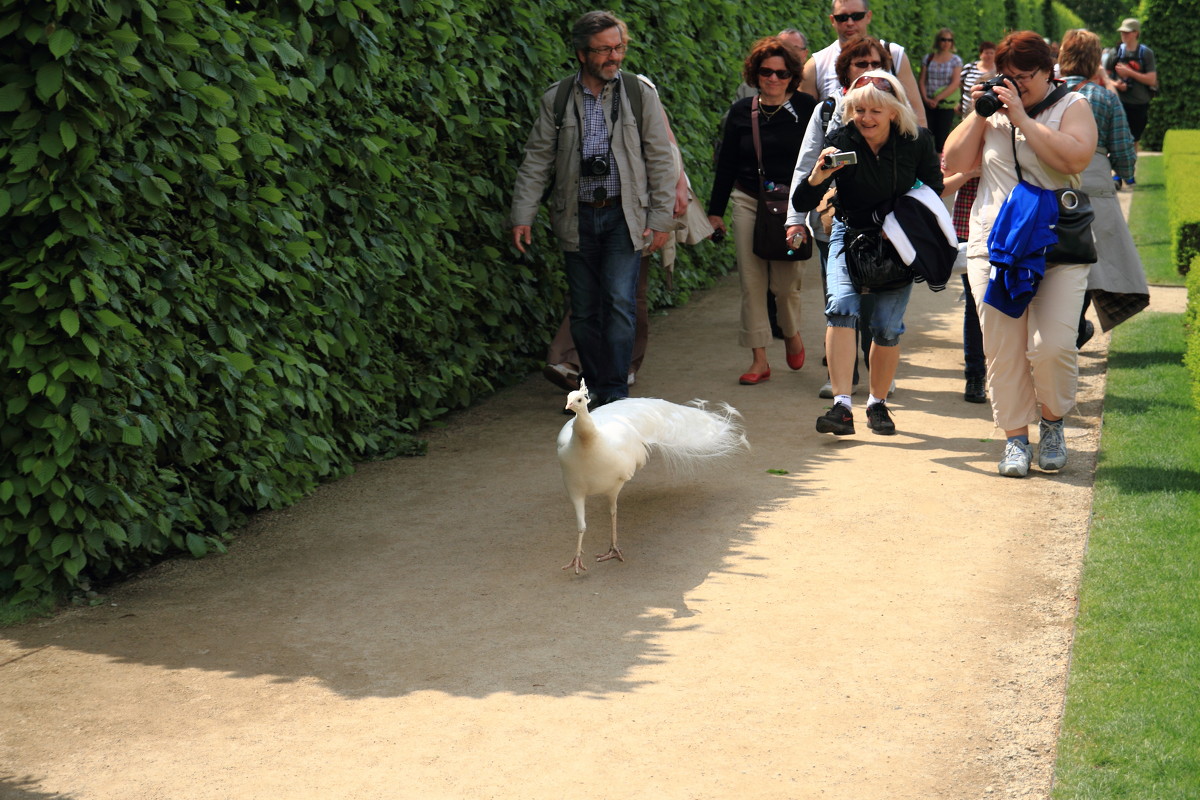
x: 782, y: 74
x: 882, y: 84
x: 857, y: 16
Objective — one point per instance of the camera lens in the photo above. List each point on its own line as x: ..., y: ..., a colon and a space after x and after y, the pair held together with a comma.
x: 595, y: 166
x: 987, y: 104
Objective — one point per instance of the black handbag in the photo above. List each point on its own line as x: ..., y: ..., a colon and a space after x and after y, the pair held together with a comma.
x: 770, y: 217
x: 1076, y: 244
x: 873, y: 263
x: 872, y: 260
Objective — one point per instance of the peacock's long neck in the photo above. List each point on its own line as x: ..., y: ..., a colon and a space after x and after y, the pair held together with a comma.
x: 585, y: 427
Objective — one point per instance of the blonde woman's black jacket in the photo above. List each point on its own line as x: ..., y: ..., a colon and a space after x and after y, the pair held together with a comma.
x: 866, y: 190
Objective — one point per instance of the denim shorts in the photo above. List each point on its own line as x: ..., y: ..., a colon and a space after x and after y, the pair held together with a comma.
x: 843, y: 303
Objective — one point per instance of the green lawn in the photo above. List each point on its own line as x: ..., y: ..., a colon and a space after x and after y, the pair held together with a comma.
x: 1148, y: 222
x: 1132, y: 722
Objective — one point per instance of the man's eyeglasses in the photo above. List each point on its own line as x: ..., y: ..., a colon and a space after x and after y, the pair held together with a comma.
x: 857, y: 16
x: 608, y: 51
x: 882, y: 84
x: 866, y: 64
x: 782, y: 74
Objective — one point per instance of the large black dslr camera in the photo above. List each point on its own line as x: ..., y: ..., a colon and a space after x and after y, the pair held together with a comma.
x: 595, y: 166
x: 988, y: 103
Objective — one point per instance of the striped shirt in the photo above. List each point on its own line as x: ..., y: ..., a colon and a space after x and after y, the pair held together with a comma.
x: 971, y: 74
x: 1111, y: 124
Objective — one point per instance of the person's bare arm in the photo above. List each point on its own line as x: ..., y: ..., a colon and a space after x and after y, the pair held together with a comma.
x: 904, y: 72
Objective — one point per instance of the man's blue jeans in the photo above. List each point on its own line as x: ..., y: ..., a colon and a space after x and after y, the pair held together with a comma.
x: 602, y: 277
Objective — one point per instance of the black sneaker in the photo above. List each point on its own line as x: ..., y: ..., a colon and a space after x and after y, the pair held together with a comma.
x: 879, y: 419
x: 976, y: 391
x: 837, y: 420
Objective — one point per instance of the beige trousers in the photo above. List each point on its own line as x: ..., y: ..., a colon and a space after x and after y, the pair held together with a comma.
x: 1032, y: 359
x: 758, y: 275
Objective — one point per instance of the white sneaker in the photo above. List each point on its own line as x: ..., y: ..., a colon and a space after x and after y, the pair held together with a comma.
x: 827, y: 390
x: 1017, y: 456
x: 1052, y: 445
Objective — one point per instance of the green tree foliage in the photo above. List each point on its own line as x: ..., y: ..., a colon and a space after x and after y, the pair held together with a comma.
x: 1176, y: 51
x: 246, y: 244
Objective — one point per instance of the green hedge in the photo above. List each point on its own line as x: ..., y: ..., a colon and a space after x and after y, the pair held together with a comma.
x: 245, y: 245
x: 1176, y: 52
x: 1192, y: 325
x: 1181, y: 155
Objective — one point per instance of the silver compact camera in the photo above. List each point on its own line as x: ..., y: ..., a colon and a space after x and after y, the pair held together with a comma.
x: 839, y: 159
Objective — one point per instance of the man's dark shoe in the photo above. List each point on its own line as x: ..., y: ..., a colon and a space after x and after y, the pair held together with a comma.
x: 562, y: 376
x: 976, y: 391
x: 879, y: 419
x: 837, y: 420
x: 1086, y: 332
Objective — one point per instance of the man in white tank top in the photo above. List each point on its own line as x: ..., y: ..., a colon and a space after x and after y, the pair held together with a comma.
x: 851, y: 18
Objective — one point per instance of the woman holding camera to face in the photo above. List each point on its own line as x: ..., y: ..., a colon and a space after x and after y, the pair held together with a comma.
x: 888, y: 155
x: 780, y: 113
x: 1032, y: 360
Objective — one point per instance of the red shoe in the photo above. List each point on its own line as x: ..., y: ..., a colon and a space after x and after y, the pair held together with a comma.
x: 796, y: 361
x: 752, y: 378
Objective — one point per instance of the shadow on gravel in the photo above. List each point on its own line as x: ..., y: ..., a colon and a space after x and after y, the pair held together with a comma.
x: 13, y: 787
x: 442, y: 573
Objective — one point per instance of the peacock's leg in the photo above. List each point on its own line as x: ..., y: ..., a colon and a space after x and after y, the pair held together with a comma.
x: 614, y: 551
x: 577, y: 562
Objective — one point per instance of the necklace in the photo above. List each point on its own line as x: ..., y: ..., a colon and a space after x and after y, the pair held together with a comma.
x: 767, y: 115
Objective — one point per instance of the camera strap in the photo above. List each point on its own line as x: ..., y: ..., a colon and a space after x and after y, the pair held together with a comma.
x: 612, y: 128
x: 1058, y: 93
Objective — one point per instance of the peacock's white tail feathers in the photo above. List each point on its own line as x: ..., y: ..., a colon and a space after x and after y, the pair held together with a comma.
x: 685, y: 436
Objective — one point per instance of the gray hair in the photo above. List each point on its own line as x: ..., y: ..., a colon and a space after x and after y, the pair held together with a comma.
x: 590, y: 24
x: 794, y: 32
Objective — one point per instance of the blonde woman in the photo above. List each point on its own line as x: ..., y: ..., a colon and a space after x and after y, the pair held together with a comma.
x: 892, y: 155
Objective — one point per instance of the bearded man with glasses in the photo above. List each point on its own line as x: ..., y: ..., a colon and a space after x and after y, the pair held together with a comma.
x: 852, y: 19
x: 613, y: 194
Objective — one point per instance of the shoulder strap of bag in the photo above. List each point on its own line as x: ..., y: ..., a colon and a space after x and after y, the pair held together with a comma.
x: 757, y: 140
x: 633, y: 88
x: 827, y: 106
x: 560, y: 102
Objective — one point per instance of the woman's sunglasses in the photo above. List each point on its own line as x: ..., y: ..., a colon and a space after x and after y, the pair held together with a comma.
x: 882, y: 84
x: 866, y: 64
x: 857, y: 16
x: 782, y: 74
x: 945, y: 38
